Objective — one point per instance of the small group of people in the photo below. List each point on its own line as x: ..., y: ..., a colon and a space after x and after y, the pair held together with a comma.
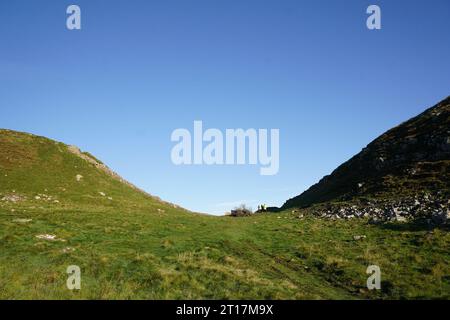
x: 262, y: 207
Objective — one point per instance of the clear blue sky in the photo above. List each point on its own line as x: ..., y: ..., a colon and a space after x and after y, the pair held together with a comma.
x: 140, y: 69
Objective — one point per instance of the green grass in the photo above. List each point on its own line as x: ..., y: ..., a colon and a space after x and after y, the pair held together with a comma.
x: 137, y: 247
x: 149, y: 255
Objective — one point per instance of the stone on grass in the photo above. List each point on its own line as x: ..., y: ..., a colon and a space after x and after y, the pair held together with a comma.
x: 22, y: 220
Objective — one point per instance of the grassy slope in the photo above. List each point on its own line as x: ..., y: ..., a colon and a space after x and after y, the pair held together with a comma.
x: 32, y: 165
x: 127, y: 248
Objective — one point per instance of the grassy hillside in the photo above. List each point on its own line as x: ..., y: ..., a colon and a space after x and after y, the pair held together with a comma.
x: 39, y: 171
x: 134, y: 246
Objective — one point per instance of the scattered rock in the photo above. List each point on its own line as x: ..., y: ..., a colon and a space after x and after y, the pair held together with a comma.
x: 44, y: 197
x: 102, y: 194
x: 68, y: 250
x: 356, y: 238
x: 22, y: 220
x: 426, y: 206
x: 13, y: 197
x: 49, y: 237
x: 78, y: 177
x: 401, y: 219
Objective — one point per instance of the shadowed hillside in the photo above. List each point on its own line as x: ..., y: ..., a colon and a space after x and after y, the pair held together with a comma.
x: 409, y: 159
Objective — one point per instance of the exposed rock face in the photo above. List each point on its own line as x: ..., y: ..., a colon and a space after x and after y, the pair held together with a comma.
x: 408, y: 160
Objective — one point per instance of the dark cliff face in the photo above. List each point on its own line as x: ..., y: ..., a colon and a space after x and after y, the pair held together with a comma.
x: 413, y: 157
